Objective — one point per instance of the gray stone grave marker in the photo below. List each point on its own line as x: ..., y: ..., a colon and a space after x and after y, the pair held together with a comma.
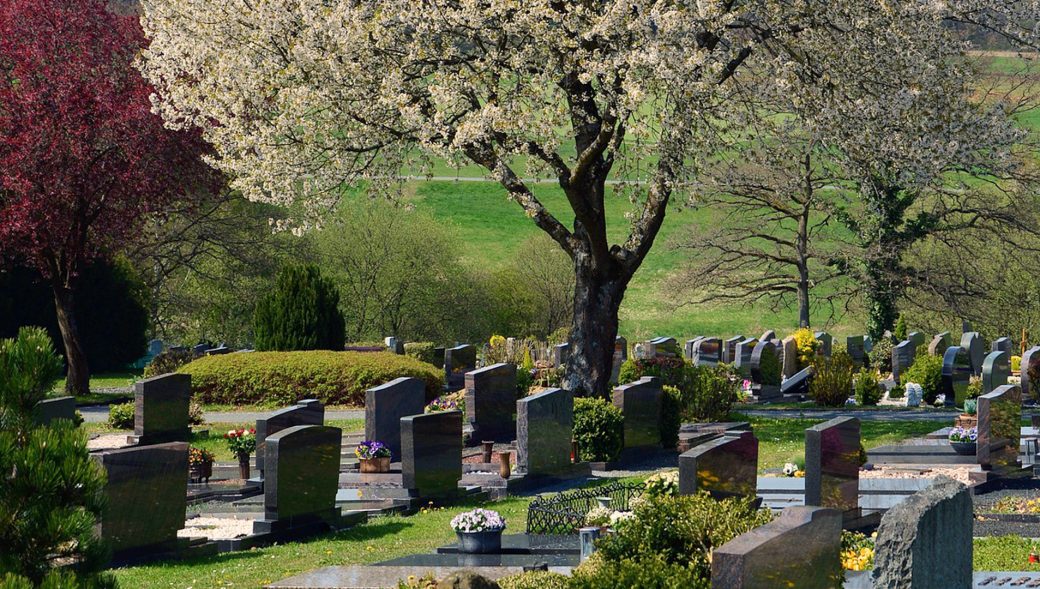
x: 857, y: 350
x: 1029, y: 369
x: 768, y: 385
x: 302, y: 478
x: 49, y: 410
x: 742, y: 359
x: 561, y: 354
x: 491, y: 401
x: 832, y: 464
x: 661, y: 346
x: 729, y: 349
x: 939, y: 344
x: 707, y: 352
x: 690, y: 347
x: 768, y: 336
x: 544, y: 427
x: 917, y: 337
x: 1003, y: 344
x: 1000, y: 419
x: 790, y: 356
x: 996, y: 369
x: 724, y: 467
x: 956, y: 374
x: 394, y: 344
x: 431, y: 453
x: 161, y: 409
x: 640, y: 402
x: 826, y: 343
x: 972, y: 343
x: 457, y: 362
x: 902, y: 357
x: 799, y: 383
x: 386, y: 404
x: 438, y: 357
x: 305, y: 412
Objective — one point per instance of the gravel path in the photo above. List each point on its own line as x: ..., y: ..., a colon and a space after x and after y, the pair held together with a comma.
x: 892, y: 415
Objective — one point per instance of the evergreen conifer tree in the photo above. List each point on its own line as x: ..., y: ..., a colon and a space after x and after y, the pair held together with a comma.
x: 301, y: 313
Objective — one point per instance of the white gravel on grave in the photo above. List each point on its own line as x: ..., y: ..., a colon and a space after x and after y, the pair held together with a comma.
x: 216, y: 528
x: 962, y: 474
x: 108, y: 442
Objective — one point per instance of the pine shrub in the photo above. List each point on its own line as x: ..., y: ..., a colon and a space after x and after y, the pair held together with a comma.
x: 301, y: 313
x: 868, y: 389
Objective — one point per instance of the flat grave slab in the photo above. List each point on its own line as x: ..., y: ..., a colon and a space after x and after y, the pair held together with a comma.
x: 980, y: 580
x: 478, y: 561
x: 381, y: 577
x: 530, y: 544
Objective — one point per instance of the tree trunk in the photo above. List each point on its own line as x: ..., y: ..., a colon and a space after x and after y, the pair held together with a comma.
x: 77, y: 381
x: 597, y: 298
x: 803, y: 266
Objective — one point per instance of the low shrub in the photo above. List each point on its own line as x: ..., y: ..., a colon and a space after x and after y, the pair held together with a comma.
x: 671, y: 370
x: 901, y: 330
x: 881, y: 356
x: 421, y: 351
x: 1016, y: 364
x: 195, y: 413
x: 974, y: 390
x: 709, y: 392
x: 524, y: 381
x: 167, y: 362
x: 927, y: 372
x: 282, y: 378
x: 671, y: 417
x: 598, y: 429
x: 535, y: 580
x: 121, y: 415
x: 652, y: 573
x: 868, y: 389
x: 807, y: 345
x: 832, y: 383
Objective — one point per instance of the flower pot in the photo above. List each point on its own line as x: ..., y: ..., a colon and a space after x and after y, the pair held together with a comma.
x: 200, y: 472
x: 381, y: 464
x: 243, y: 466
x: 480, y: 542
x: 964, y: 448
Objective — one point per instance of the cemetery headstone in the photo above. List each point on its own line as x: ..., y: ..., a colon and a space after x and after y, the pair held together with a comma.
x: 431, y: 453
x: 765, y: 370
x: 939, y: 344
x: 798, y: 384
x: 956, y: 374
x: 832, y: 461
x: 790, y: 356
x: 620, y: 357
x: 902, y: 357
x: 544, y: 427
x: 146, y: 497
x: 768, y: 336
x: 386, y: 404
x: 1030, y: 370
x: 868, y: 343
x: 925, y: 541
x: 491, y: 401
x: 917, y: 337
x: 707, y: 352
x: 200, y: 349
x: 729, y: 350
x: 640, y: 402
x: 742, y: 359
x: 161, y: 409
x: 724, y: 467
x: 438, y: 357
x: 457, y: 362
x: 305, y: 412
x: 854, y: 345
x: 560, y: 355
x: 972, y: 343
x: 302, y: 478
x: 826, y: 343
x: 1003, y: 344
x: 49, y: 410
x: 394, y: 344
x: 996, y: 369
x: 800, y: 548
x: 155, y: 347
x: 661, y: 346
x: 1000, y: 418
x: 690, y: 347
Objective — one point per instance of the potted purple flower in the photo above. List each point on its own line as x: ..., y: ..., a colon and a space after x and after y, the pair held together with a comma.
x: 963, y: 440
x: 479, y: 531
x: 374, y: 456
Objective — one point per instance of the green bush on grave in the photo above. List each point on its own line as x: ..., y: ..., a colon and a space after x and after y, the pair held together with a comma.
x: 121, y: 415
x: 283, y: 378
x: 832, y: 383
x: 868, y: 389
x: 535, y: 580
x: 598, y: 429
x: 671, y: 417
x: 927, y: 372
x: 880, y: 356
x: 422, y: 351
x: 167, y: 362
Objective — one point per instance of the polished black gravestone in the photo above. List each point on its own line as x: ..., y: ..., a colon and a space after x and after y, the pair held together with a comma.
x: 49, y: 410
x: 856, y: 347
x: 386, y: 404
x: 457, y: 362
x: 902, y: 357
x: 832, y: 463
x: 431, y: 453
x: 956, y: 374
x: 1000, y: 419
x: 742, y: 356
x: 801, y: 548
x: 302, y: 479
x: 729, y: 349
x: 146, y: 498
x: 438, y: 357
x: 996, y: 369
x: 661, y: 346
x: 724, y: 467
x: 305, y: 412
x: 972, y: 343
x: 544, y: 427
x: 707, y: 351
x: 560, y: 354
x: 640, y: 402
x: 161, y: 409
x: 826, y: 343
x: 690, y: 347
x: 1002, y: 344
x: 1029, y: 371
x: 939, y: 344
x: 799, y: 383
x: 491, y: 402
x: 917, y: 337
x: 766, y: 382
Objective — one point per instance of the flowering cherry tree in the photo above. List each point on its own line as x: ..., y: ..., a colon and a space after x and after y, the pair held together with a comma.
x: 302, y: 97
x: 82, y: 158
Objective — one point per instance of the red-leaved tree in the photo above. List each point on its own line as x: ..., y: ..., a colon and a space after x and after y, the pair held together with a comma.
x: 82, y: 158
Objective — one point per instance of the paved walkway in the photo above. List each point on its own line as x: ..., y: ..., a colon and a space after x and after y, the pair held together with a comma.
x: 99, y: 414
x: 869, y: 415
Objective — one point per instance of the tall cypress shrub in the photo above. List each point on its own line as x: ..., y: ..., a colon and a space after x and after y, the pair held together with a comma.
x: 301, y: 313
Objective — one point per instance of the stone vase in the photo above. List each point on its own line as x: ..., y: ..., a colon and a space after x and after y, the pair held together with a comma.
x: 503, y: 465
x: 375, y: 465
x: 966, y: 421
x: 243, y: 466
x: 200, y: 472
x: 480, y: 542
x: 488, y: 449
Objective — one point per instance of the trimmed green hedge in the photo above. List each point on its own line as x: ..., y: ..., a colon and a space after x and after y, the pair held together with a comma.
x: 282, y: 378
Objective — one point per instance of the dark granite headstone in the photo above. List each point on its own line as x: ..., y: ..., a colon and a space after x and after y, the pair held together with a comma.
x: 729, y: 349
x: 394, y: 344
x: 431, y: 453
x: 902, y: 358
x: 707, y: 352
x: 155, y: 347
x: 690, y: 347
x: 801, y: 548
x: 544, y: 427
x: 972, y: 343
x: 305, y: 412
x: 491, y: 401
x: 799, y: 383
x: 996, y: 369
x: 1003, y: 344
x: 438, y: 357
x: 199, y: 349
x: 832, y: 463
x: 1029, y: 369
x: 764, y: 354
x: 161, y: 409
x: 560, y: 354
x: 146, y: 495
x: 49, y: 410
x: 857, y: 351
x: 620, y: 357
x: 742, y: 358
x: 302, y: 477
x: 661, y: 346
x: 386, y: 404
x: 917, y: 337
x: 724, y: 467
x: 826, y: 343
x: 789, y: 354
x: 1000, y: 420
x: 956, y: 374
x: 457, y: 362
x: 939, y: 344
x: 640, y: 402
x: 768, y: 336
x: 925, y: 540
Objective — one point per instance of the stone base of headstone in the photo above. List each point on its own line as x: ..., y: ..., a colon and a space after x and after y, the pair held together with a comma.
x: 767, y: 393
x: 635, y: 457
x: 266, y: 533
